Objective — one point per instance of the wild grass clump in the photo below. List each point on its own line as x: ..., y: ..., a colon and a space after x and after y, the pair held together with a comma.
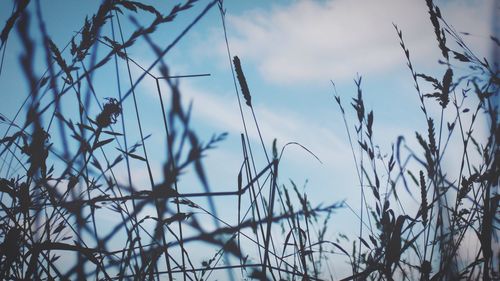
x: 458, y: 210
x: 61, y: 169
x: 66, y: 213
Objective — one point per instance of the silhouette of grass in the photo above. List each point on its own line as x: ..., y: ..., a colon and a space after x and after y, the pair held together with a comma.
x: 59, y: 173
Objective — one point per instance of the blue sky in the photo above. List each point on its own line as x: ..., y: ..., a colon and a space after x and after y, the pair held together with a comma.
x: 290, y: 50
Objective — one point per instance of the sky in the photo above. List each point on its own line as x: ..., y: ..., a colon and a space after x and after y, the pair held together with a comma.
x: 291, y: 52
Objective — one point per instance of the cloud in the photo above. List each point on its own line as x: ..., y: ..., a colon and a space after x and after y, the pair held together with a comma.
x: 222, y: 112
x: 311, y: 41
x: 219, y: 110
x: 216, y: 110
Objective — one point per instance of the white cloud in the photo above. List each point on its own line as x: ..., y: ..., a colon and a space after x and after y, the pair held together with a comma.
x: 220, y: 111
x: 285, y: 126
x: 318, y: 41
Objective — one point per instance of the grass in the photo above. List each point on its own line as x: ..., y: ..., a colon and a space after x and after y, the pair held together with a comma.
x: 60, y: 172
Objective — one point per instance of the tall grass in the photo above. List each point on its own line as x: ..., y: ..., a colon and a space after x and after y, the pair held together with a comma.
x: 458, y: 211
x: 61, y: 171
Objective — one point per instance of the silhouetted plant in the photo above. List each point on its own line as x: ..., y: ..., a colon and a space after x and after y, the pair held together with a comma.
x: 54, y: 188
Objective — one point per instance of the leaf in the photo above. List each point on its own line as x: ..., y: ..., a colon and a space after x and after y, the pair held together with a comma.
x: 363, y: 145
x: 451, y: 126
x: 146, y: 137
x: 96, y: 164
x: 372, y: 239
x: 83, y: 142
x: 43, y: 81
x: 54, y: 258
x: 461, y: 57
x: 102, y: 143
x: 59, y: 228
x: 135, y: 156
x: 340, y: 248
x: 118, y: 159
x: 495, y: 40
x: 83, y: 126
x: 112, y: 133
x: 364, y: 242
